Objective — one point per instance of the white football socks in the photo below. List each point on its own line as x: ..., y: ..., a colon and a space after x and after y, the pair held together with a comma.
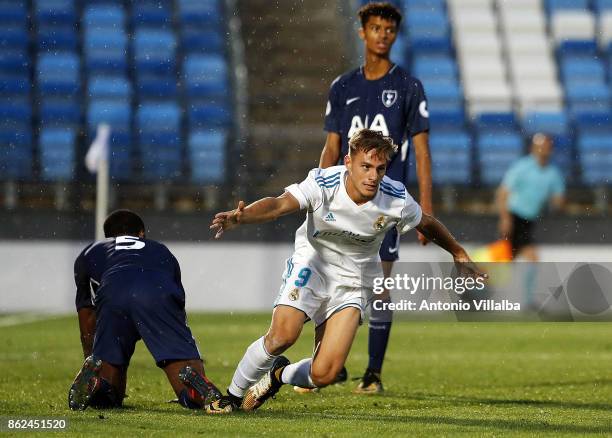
x: 253, y: 365
x: 298, y: 374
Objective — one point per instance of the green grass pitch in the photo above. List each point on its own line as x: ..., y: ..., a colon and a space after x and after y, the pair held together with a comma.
x: 470, y: 379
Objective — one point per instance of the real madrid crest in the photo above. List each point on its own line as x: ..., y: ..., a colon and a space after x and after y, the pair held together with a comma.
x: 389, y: 97
x: 294, y: 294
x: 380, y: 223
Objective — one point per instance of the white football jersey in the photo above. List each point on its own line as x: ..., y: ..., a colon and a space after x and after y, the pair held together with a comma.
x: 342, y: 235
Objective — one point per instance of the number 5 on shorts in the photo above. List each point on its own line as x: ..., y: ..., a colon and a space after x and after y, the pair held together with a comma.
x: 303, y: 277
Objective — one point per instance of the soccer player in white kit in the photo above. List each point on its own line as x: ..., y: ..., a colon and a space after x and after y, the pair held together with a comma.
x: 329, y: 277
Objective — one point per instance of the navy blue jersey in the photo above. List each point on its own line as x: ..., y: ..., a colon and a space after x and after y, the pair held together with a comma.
x: 394, y: 105
x: 100, y: 260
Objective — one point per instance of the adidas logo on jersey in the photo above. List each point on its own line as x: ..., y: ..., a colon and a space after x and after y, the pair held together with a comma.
x: 330, y: 217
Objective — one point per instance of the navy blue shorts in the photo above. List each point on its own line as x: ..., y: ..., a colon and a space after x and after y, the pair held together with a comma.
x: 133, y: 305
x: 389, y: 250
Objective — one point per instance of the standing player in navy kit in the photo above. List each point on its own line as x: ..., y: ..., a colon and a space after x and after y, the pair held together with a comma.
x: 129, y: 288
x: 383, y: 97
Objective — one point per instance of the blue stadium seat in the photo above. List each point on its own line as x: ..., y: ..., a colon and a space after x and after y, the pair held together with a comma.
x: 57, y: 39
x: 417, y: 22
x: 109, y: 87
x: 587, y: 92
x: 16, y: 154
x: 452, y: 118
x: 557, y: 5
x: 589, y: 109
x: 13, y: 12
x: 56, y: 28
x: 595, y: 151
x: 429, y: 5
x: 504, y: 141
x: 55, y: 12
x: 158, y: 127
x: 118, y: 114
x: 554, y: 123
x: 158, y: 117
x: 502, y: 121
x: 202, y: 40
x: 57, y: 154
x: 444, y: 95
x: 400, y: 51
x: 602, y: 5
x: 427, y: 24
x: 104, y: 16
x: 120, y: 156
x: 594, y: 121
x: 435, y: 67
x: 58, y: 74
x: 203, y: 13
x: 154, y: 51
x: 207, y: 156
x: 420, y: 46
x: 564, y: 155
x: 16, y: 61
x: 156, y: 86
x: 497, y: 150
x: 588, y: 97
x: 208, y: 114
x: 577, y: 48
x: 14, y: 37
x: 105, y: 51
x: 205, y: 76
x: 451, y: 157
x: 60, y: 112
x: 15, y: 120
x: 396, y: 3
x: 14, y: 86
x: 152, y: 13
x: 583, y: 70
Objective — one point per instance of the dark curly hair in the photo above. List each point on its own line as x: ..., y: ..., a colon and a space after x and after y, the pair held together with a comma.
x: 123, y: 223
x: 383, y: 10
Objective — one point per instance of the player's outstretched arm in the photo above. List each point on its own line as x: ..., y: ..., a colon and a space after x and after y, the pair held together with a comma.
x: 435, y: 231
x: 264, y: 210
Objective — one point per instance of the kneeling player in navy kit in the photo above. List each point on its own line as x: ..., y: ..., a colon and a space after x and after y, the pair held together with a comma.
x: 129, y: 288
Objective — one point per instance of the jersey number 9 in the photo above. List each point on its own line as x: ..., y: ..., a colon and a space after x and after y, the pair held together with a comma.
x: 303, y: 277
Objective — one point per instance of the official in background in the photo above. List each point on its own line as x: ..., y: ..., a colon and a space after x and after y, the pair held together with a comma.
x: 528, y: 187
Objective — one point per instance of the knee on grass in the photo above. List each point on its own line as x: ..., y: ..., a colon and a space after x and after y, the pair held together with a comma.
x: 106, y: 397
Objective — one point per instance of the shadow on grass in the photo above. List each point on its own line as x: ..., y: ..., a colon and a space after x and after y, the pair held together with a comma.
x: 560, y: 404
x: 493, y: 423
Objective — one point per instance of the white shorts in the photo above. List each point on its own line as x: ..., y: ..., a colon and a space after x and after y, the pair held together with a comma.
x: 318, y: 295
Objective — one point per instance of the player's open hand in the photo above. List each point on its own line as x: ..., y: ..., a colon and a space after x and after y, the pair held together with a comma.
x: 467, y: 268
x: 227, y: 220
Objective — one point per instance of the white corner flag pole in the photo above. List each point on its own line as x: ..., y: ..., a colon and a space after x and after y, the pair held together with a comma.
x: 96, y: 161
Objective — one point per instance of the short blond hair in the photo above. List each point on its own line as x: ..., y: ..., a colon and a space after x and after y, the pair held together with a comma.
x: 366, y: 139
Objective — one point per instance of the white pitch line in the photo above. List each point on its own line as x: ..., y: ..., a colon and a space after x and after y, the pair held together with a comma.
x: 23, y: 318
